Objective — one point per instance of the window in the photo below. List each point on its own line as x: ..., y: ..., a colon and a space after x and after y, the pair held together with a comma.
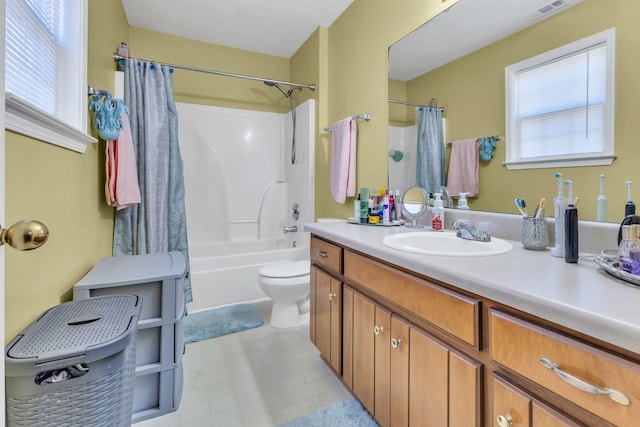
x: 45, y: 71
x: 560, y: 106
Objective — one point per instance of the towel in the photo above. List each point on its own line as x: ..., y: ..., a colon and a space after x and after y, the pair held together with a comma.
x: 121, y: 188
x: 343, y: 159
x: 463, y: 168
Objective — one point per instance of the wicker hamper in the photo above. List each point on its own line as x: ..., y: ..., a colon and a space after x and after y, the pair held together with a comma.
x: 74, y: 365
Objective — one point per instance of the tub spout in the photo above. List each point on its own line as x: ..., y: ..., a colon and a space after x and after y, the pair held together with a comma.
x: 290, y: 229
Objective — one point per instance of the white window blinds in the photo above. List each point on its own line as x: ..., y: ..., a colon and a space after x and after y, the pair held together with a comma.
x: 560, y: 107
x: 32, y: 42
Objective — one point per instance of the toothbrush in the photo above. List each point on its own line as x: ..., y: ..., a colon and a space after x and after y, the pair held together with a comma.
x: 602, y: 202
x: 630, y: 207
x: 539, y: 209
x: 569, y: 183
x: 560, y: 204
x: 522, y: 206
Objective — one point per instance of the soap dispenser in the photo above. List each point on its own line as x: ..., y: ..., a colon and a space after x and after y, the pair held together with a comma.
x: 437, y: 213
x: 462, y: 201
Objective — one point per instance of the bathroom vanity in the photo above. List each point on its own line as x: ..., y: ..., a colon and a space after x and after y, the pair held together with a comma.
x: 515, y: 339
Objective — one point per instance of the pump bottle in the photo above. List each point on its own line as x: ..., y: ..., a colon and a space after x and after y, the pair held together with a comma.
x: 437, y: 213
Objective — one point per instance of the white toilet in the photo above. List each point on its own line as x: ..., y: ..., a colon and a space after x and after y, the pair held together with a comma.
x: 287, y: 284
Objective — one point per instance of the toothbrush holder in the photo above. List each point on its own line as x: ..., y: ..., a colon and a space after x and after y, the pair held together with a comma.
x: 535, y: 235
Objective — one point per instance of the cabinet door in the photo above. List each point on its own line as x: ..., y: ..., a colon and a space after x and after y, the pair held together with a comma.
x: 326, y: 306
x: 363, y: 350
x: 382, y: 366
x: 347, y: 336
x: 428, y: 381
x: 399, y: 382
x: 510, y: 404
x: 543, y: 416
x: 465, y: 394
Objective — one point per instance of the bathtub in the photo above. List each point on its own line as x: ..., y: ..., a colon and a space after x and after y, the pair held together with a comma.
x: 227, y: 273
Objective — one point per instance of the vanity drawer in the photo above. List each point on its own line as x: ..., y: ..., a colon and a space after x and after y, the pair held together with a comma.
x: 448, y: 310
x: 520, y: 345
x: 326, y: 254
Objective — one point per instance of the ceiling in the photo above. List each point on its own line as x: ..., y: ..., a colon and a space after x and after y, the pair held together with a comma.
x: 280, y: 27
x: 464, y: 28
x: 273, y: 27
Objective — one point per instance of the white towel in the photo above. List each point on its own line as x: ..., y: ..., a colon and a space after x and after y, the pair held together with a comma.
x: 463, y: 168
x: 343, y: 159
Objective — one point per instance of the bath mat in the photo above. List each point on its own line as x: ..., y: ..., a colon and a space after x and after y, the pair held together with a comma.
x: 216, y: 322
x: 348, y: 413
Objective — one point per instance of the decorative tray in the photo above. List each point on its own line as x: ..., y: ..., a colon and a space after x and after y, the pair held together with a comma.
x: 611, y: 266
x: 391, y: 224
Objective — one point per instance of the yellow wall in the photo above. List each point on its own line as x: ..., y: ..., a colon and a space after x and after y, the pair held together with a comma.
x: 64, y: 189
x: 472, y: 91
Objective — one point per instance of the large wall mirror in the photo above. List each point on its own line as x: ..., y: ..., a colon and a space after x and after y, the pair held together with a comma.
x: 459, y: 59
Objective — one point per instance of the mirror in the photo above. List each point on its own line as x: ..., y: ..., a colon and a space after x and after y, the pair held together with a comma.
x: 461, y: 64
x: 414, y: 204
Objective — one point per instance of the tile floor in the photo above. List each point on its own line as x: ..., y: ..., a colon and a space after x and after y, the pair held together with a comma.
x: 255, y: 378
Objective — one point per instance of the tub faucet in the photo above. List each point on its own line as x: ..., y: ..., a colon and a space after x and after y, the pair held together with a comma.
x: 290, y: 229
x: 467, y: 231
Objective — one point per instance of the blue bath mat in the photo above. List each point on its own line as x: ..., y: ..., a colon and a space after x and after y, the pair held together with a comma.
x: 216, y: 322
x: 348, y: 413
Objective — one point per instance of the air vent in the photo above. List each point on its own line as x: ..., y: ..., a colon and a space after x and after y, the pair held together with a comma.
x: 547, y: 9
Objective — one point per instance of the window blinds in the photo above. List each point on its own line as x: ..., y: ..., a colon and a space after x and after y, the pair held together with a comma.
x: 561, y: 105
x: 32, y: 38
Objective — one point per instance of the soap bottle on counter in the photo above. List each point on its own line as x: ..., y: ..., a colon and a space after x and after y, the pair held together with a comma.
x: 629, y: 250
x: 437, y: 213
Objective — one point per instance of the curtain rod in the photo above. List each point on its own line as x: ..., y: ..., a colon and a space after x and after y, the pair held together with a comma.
x: 117, y: 57
x: 395, y: 101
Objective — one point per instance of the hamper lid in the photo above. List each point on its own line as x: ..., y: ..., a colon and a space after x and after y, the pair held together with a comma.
x: 76, y: 328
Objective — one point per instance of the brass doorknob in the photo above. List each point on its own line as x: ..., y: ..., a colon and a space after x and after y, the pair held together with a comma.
x: 25, y: 235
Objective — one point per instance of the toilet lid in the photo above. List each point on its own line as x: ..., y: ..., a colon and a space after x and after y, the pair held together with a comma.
x: 285, y: 269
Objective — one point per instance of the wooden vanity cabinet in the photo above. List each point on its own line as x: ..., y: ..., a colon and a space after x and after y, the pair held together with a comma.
x: 325, y: 329
x: 404, y: 376
x: 419, y: 353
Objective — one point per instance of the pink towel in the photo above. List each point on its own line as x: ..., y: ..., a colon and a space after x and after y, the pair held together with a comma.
x: 463, y: 168
x: 343, y: 159
x: 122, y: 188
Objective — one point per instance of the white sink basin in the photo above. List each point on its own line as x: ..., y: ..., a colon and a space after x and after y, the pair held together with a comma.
x: 444, y: 243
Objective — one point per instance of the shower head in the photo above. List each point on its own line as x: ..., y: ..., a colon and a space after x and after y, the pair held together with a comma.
x: 274, y: 84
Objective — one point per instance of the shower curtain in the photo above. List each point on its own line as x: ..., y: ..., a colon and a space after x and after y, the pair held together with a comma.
x: 430, y: 151
x: 158, y: 223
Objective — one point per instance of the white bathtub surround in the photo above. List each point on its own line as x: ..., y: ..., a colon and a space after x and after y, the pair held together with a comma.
x: 240, y: 190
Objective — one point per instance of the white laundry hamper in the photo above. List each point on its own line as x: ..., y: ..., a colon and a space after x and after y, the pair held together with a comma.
x: 74, y: 365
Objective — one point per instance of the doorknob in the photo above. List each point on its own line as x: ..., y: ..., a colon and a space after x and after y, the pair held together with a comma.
x: 25, y: 235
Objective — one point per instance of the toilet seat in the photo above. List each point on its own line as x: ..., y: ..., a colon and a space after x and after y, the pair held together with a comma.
x: 286, y: 270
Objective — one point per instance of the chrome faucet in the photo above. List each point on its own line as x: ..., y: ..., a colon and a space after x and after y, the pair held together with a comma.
x: 447, y: 202
x: 290, y: 229
x: 467, y: 231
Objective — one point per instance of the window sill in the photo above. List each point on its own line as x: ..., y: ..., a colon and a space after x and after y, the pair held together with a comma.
x: 567, y: 162
x: 26, y: 119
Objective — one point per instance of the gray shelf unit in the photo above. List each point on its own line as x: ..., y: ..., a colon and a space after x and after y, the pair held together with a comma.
x: 159, y: 280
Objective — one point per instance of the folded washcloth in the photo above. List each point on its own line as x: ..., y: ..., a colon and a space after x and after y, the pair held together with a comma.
x: 343, y: 159
x: 463, y: 168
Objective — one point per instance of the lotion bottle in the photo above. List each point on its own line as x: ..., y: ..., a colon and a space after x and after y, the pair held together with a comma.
x: 437, y: 213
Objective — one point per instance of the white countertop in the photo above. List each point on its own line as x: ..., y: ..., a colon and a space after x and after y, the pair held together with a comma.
x: 581, y: 296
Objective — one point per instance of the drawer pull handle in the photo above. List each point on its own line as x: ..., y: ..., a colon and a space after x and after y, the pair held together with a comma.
x: 395, y: 343
x: 331, y: 296
x: 378, y: 330
x: 615, y: 395
x: 504, y: 420
x: 323, y: 254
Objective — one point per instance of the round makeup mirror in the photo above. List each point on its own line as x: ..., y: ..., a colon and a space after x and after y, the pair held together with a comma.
x: 415, y: 202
